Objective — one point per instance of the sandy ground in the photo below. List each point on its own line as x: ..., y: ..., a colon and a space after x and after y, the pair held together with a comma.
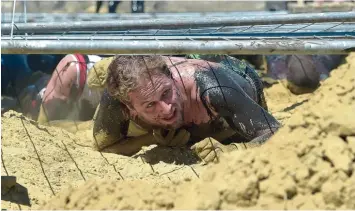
x: 308, y: 164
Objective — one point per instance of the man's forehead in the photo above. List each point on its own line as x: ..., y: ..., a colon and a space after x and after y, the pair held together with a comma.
x: 148, y: 87
x: 153, y: 82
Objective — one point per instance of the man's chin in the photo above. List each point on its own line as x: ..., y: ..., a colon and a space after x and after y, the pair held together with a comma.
x: 171, y: 126
x: 166, y: 125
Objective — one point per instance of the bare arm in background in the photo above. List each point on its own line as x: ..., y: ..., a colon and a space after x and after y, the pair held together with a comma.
x: 55, y: 103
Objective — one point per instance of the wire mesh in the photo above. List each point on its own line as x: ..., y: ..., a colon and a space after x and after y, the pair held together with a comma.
x: 67, y: 77
x: 294, y: 33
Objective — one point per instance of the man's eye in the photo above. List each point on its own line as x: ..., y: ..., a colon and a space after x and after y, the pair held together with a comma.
x: 166, y: 92
x: 150, y: 105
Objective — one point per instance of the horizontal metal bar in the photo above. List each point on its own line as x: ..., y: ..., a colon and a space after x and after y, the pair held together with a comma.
x: 266, y: 30
x: 256, y: 46
x: 148, y: 37
x: 174, y: 23
x: 318, y: 27
x: 105, y: 16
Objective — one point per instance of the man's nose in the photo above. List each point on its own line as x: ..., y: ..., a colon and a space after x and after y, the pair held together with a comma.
x: 165, y: 107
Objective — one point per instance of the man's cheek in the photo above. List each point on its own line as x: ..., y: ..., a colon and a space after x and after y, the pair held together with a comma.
x: 152, y: 118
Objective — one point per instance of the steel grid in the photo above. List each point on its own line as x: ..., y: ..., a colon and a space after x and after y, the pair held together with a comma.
x: 227, y: 35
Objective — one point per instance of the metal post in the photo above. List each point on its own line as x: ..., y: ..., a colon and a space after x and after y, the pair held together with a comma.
x: 13, y: 18
x: 25, y: 12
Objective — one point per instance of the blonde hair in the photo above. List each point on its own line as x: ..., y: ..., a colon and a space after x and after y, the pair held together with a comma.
x: 124, y: 73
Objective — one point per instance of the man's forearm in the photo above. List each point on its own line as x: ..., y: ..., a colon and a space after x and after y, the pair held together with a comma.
x: 130, y: 146
x: 263, y: 136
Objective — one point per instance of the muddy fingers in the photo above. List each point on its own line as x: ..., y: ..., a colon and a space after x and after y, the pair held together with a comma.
x: 209, y: 150
x: 180, y: 139
x: 172, y: 138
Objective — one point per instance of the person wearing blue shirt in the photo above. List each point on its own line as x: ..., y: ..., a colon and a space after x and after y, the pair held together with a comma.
x: 14, y: 69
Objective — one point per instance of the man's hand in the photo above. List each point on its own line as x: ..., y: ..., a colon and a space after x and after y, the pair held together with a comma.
x: 171, y: 138
x: 209, y: 150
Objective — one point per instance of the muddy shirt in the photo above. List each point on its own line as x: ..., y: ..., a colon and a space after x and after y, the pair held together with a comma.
x: 234, y: 91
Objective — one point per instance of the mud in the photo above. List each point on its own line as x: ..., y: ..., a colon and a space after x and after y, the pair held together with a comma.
x: 308, y: 164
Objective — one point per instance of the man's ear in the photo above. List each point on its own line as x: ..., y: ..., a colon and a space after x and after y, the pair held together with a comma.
x: 131, y: 109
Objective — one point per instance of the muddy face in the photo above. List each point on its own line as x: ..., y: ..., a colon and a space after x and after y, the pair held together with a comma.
x: 157, y: 101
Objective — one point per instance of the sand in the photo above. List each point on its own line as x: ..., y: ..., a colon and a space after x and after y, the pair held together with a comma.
x: 307, y: 164
x: 45, y: 160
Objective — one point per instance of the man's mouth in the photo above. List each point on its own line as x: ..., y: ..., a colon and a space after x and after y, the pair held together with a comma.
x: 171, y: 116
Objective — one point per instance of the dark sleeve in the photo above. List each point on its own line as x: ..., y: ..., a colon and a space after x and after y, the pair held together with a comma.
x: 230, y: 101
x: 110, y: 125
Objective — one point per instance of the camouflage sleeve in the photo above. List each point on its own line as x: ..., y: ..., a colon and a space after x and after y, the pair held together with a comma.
x: 110, y: 125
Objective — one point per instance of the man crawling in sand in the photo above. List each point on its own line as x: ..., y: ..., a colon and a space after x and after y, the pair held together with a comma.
x: 171, y: 101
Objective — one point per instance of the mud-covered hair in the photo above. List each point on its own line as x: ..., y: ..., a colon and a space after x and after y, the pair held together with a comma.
x: 124, y: 73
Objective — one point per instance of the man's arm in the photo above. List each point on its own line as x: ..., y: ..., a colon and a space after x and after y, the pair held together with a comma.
x: 230, y: 101
x: 130, y: 146
x: 110, y: 124
x: 112, y: 128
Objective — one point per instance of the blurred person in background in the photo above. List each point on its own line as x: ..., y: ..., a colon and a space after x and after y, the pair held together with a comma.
x: 112, y: 6
x: 14, y: 73
x: 67, y: 95
x: 137, y: 6
x: 45, y: 63
x: 30, y: 98
x: 23, y: 78
x: 302, y: 73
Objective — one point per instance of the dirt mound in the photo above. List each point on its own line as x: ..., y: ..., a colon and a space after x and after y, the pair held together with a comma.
x: 282, y: 103
x: 46, y: 160
x: 308, y: 164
